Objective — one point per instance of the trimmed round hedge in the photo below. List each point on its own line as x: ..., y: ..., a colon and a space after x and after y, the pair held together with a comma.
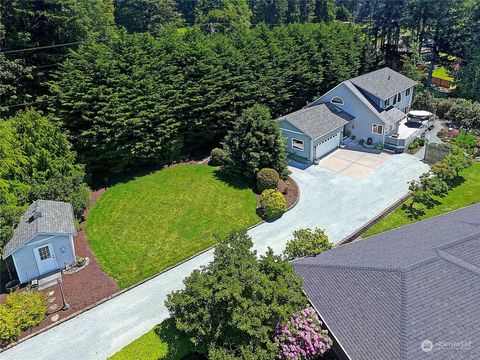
x: 267, y: 178
x: 273, y: 204
x: 217, y: 157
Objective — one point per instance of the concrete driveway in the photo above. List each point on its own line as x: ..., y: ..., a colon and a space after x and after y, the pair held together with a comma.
x: 336, y: 202
x: 352, y: 163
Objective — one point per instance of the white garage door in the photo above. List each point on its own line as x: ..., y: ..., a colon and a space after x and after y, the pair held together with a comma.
x: 328, y: 145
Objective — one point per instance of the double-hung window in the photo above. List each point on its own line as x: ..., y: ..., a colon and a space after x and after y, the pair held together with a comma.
x: 297, y: 144
x: 377, y: 129
x: 407, y: 92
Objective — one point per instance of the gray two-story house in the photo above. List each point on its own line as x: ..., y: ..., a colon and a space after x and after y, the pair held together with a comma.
x: 372, y: 107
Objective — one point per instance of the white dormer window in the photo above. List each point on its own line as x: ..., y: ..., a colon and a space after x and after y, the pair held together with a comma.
x: 337, y: 100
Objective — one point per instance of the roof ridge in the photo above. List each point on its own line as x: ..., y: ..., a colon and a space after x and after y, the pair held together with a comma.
x: 459, y: 262
x: 353, y: 267
x: 303, y: 109
x: 460, y: 240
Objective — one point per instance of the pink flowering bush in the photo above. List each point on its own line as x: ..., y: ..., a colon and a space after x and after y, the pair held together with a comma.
x: 302, y: 337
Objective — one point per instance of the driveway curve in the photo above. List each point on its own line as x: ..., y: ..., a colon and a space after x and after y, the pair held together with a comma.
x: 336, y: 202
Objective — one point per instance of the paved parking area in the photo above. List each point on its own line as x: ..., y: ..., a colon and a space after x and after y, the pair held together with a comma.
x: 352, y: 163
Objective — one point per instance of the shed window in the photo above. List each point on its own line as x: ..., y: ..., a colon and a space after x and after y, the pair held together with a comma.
x: 44, y: 253
x: 297, y: 144
x: 337, y: 100
x: 377, y: 129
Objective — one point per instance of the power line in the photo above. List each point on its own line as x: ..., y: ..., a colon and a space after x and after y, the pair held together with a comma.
x: 41, y: 47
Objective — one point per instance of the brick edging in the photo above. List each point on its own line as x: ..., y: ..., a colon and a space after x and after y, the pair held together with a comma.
x: 359, y: 231
x: 91, y: 306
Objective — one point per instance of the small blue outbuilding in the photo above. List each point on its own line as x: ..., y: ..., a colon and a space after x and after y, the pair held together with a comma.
x: 42, y: 242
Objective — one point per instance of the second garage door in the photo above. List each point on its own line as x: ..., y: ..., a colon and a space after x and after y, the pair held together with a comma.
x: 327, y: 145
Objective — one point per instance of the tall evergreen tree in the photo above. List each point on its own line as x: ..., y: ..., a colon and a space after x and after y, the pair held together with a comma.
x: 324, y: 11
x: 145, y: 15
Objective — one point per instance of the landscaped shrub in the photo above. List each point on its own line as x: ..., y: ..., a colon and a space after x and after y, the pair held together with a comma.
x: 361, y: 142
x: 267, y: 179
x: 255, y: 142
x: 307, y: 243
x: 273, y: 204
x: 302, y: 337
x: 379, y: 146
x: 20, y: 311
x: 217, y: 157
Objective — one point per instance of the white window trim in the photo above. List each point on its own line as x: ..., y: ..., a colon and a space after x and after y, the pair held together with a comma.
x: 296, y: 148
x: 407, y: 92
x: 386, y: 103
x: 378, y: 133
x: 335, y: 103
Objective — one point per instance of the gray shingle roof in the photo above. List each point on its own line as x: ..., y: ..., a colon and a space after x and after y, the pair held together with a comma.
x: 316, y: 121
x: 382, y: 296
x: 56, y: 218
x: 392, y: 115
x: 383, y: 83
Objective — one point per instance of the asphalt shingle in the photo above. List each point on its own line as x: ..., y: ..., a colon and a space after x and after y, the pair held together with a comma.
x: 56, y: 217
x: 316, y: 121
x: 383, y: 83
x: 417, y: 283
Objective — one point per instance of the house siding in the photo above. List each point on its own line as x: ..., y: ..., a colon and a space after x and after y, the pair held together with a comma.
x: 291, y: 132
x: 361, y: 126
x: 24, y: 257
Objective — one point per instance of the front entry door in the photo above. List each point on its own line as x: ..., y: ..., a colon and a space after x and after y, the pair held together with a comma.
x: 45, y: 257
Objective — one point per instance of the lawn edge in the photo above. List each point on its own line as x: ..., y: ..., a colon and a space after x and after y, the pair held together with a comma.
x: 90, y: 307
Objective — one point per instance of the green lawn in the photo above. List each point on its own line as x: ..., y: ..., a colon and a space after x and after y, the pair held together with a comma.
x: 465, y: 194
x: 163, y: 342
x: 141, y: 227
x: 441, y: 73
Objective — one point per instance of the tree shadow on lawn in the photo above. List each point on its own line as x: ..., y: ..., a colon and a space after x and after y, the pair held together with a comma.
x: 232, y: 181
x: 179, y: 346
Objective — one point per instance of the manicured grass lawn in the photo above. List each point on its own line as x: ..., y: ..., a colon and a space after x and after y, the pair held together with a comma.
x: 138, y: 228
x: 163, y: 342
x: 442, y: 73
x: 465, y: 194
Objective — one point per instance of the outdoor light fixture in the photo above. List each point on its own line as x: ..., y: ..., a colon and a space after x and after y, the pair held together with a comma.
x: 66, y: 306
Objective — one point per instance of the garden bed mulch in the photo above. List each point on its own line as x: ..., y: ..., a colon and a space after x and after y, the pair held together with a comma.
x: 290, y: 191
x: 82, y: 289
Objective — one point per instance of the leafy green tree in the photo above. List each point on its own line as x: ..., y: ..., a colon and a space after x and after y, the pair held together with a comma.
x: 420, y: 195
x: 145, y: 15
x: 444, y: 171
x: 468, y: 80
x: 435, y: 185
x: 307, y: 242
x: 223, y: 15
x: 36, y: 162
x: 233, y: 304
x: 458, y: 162
x: 254, y: 143
x: 424, y: 100
x: 465, y: 112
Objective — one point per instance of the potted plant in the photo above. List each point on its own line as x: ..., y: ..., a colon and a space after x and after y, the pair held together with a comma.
x: 12, y: 285
x: 80, y: 261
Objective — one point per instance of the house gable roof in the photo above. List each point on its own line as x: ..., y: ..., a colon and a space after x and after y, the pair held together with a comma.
x: 319, y: 120
x: 383, y: 83
x: 383, y: 295
x: 54, y: 217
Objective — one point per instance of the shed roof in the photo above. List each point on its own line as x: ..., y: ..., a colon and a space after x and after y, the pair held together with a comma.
x: 383, y: 83
x: 318, y: 120
x: 42, y: 217
x: 383, y: 296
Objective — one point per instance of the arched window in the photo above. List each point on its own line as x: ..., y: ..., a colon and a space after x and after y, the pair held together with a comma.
x: 337, y: 100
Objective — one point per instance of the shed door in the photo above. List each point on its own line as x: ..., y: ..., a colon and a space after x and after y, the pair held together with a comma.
x: 45, y: 257
x: 327, y: 145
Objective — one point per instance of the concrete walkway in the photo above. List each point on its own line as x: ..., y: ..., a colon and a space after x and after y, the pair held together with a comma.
x: 336, y: 202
